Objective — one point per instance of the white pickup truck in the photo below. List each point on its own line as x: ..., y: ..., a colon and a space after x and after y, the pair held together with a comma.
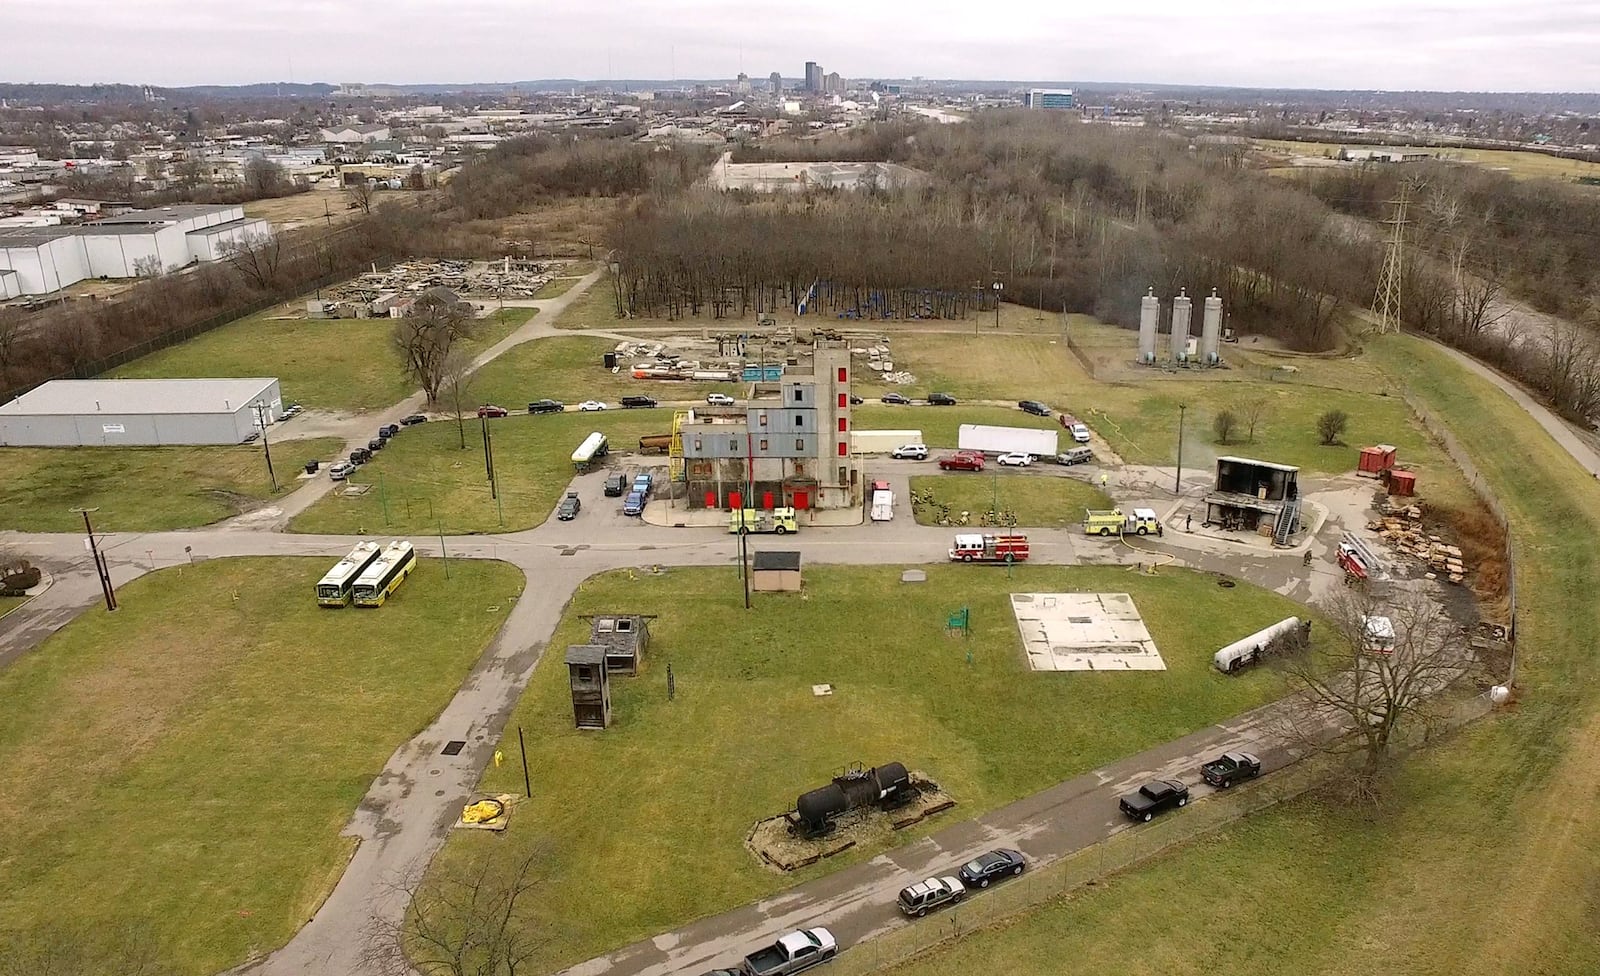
x: 792, y: 953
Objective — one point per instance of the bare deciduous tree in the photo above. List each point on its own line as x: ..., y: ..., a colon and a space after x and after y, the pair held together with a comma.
x: 1224, y: 424
x: 148, y: 266
x: 1254, y: 411
x: 473, y: 919
x: 360, y: 193
x: 264, y: 178
x: 1331, y: 426
x: 257, y: 257
x: 426, y: 336
x: 1358, y: 695
x: 10, y: 331
x: 456, y: 388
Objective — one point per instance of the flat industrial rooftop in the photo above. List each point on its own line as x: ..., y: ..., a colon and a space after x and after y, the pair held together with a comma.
x: 1084, y: 632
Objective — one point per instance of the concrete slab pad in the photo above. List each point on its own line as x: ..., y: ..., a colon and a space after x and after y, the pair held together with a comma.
x: 1084, y: 632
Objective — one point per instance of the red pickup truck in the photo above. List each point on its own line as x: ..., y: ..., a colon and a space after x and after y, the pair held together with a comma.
x: 962, y: 461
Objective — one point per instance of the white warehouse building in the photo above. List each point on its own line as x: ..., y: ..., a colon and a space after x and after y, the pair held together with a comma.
x: 41, y: 260
x: 143, y: 413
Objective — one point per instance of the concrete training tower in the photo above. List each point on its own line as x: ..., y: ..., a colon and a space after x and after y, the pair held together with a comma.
x: 1149, y: 317
x: 1211, y: 330
x: 1181, y: 307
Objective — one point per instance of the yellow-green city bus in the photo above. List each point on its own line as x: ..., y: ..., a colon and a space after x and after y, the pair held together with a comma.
x: 334, y: 589
x: 385, y: 575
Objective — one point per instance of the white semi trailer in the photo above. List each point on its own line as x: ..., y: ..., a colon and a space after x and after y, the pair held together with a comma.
x: 1007, y: 440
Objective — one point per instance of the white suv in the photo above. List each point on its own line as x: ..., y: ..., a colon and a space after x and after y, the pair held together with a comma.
x: 1080, y: 433
x: 719, y: 399
x: 912, y: 452
x: 341, y: 471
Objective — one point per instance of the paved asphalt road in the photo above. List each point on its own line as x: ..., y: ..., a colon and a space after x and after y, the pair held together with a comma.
x: 404, y: 818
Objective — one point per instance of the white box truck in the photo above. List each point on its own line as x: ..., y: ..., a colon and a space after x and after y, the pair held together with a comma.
x: 1007, y: 440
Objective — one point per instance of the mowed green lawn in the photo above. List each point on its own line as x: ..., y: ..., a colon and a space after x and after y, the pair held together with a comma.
x: 570, y: 369
x: 1483, y: 862
x: 644, y: 822
x: 424, y: 481
x: 1037, y: 500
x: 184, y: 766
x: 329, y: 364
x: 143, y: 489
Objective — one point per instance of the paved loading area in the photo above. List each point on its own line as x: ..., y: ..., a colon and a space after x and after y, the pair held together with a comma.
x: 1084, y: 632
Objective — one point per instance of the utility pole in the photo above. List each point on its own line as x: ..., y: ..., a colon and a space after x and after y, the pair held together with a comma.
x: 1177, y: 482
x: 488, y: 456
x: 261, y: 421
x: 99, y: 560
x: 999, y: 287
x: 1387, y: 302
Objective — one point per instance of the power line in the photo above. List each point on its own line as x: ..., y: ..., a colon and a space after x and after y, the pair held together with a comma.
x: 1387, y: 302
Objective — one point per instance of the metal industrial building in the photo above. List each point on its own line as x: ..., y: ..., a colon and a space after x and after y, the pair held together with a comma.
x: 41, y: 260
x: 125, y: 413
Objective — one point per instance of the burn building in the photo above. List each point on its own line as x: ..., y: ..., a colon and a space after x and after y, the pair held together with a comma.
x: 1255, y: 496
x: 788, y: 450
x: 590, y: 682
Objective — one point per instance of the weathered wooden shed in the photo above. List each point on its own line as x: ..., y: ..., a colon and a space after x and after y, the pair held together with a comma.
x: 591, y: 686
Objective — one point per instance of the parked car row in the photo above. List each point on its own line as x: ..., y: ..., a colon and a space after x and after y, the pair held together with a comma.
x: 1166, y: 794
x: 805, y: 948
x: 342, y: 470
x: 901, y: 400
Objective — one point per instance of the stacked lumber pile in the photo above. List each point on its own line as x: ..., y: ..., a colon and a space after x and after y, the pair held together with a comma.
x: 1401, y: 528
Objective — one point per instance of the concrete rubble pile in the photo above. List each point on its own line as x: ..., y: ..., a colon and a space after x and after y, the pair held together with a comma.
x: 504, y: 279
x: 1401, y: 529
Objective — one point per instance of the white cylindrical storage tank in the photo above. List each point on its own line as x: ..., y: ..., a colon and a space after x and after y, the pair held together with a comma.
x: 1211, y: 330
x: 1149, y: 318
x: 1181, y: 308
x: 1250, y: 649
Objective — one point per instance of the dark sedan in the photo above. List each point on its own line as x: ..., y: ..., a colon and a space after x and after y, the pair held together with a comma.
x: 899, y: 399
x: 413, y: 420
x: 569, y: 507
x: 999, y: 863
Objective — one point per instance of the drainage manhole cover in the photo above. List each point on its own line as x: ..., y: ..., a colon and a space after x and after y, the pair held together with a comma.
x: 454, y: 747
x: 569, y: 552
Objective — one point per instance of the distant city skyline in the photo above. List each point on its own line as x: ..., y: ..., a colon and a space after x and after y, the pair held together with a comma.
x: 1451, y: 45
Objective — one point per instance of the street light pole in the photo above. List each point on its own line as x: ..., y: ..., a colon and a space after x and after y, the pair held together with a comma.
x: 99, y: 561
x: 1177, y: 482
x: 999, y: 287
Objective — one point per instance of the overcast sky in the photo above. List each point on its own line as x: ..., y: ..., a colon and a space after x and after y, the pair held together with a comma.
x: 1430, y: 44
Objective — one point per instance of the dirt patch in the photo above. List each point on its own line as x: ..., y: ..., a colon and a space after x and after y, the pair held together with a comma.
x: 772, y: 843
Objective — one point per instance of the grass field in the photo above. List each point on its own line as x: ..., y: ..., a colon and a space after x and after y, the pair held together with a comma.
x: 10, y: 603
x: 329, y: 364
x: 569, y: 369
x: 424, y: 482
x: 1480, y: 865
x: 185, y: 765
x: 556, y: 287
x: 1140, y: 421
x: 1047, y: 502
x: 142, y: 489
x: 684, y: 780
x: 1517, y: 163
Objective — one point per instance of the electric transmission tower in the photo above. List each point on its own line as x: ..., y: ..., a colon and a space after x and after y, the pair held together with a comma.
x: 1141, y: 210
x: 1387, y: 302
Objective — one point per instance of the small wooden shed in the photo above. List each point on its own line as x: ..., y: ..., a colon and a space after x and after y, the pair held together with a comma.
x: 776, y: 571
x: 625, y: 636
x: 591, y: 685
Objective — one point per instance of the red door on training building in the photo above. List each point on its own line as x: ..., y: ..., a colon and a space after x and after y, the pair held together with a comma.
x: 802, y: 500
x: 735, y: 500
x: 766, y: 500
x: 711, y: 499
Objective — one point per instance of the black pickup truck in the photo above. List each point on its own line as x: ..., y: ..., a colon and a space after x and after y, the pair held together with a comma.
x: 1154, y: 797
x: 1229, y: 768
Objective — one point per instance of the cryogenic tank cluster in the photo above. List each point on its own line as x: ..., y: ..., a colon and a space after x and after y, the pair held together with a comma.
x: 1209, y: 351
